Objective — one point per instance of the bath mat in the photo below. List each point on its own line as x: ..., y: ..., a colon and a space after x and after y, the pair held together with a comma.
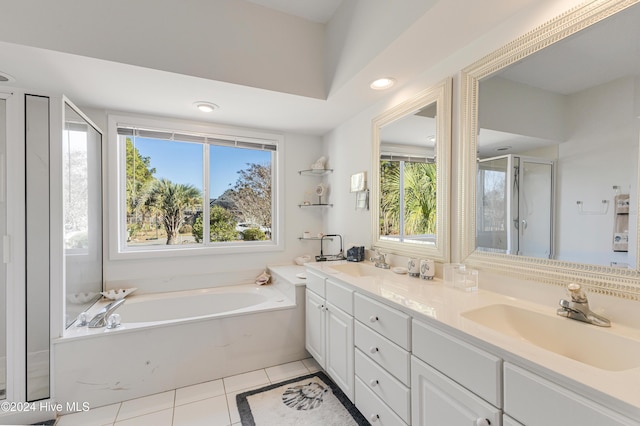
x: 308, y: 400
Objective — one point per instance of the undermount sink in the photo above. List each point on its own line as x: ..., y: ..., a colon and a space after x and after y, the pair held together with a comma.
x: 358, y: 270
x: 570, y: 338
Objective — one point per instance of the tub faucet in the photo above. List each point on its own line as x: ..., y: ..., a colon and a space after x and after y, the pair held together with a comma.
x: 380, y: 260
x: 578, y: 308
x: 100, y: 320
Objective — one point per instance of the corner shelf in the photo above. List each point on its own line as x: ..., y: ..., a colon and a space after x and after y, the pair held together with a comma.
x: 315, y: 172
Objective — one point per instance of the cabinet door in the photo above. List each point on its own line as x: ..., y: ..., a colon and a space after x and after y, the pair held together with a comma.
x: 339, y: 348
x: 437, y: 400
x: 533, y: 401
x: 315, y: 327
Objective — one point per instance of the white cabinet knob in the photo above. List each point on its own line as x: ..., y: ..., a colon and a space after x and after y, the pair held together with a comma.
x: 374, y: 418
x: 482, y: 422
x: 373, y: 382
x: 320, y: 306
x: 373, y: 318
x: 373, y: 349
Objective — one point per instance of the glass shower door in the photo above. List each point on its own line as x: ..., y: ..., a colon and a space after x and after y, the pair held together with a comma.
x: 536, y: 208
x: 3, y: 231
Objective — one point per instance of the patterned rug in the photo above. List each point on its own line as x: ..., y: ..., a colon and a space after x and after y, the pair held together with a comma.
x: 308, y: 400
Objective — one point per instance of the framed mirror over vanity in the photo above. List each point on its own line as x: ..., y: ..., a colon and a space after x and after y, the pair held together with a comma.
x: 411, y: 145
x: 549, y: 167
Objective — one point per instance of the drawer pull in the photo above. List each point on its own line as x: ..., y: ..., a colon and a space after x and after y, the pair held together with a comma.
x: 374, y: 418
x: 373, y: 383
x: 373, y: 349
x: 482, y: 422
x: 373, y: 318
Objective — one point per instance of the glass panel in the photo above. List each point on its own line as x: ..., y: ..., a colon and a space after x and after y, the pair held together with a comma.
x: 82, y: 203
x: 240, y: 194
x: 419, y: 183
x: 3, y: 230
x: 37, y: 242
x: 536, y: 209
x: 493, y: 216
x: 164, y: 188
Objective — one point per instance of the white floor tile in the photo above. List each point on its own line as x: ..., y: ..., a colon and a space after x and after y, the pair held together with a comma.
x: 199, y: 392
x: 245, y: 381
x: 207, y: 412
x: 159, y: 418
x: 286, y: 371
x: 233, y: 407
x: 146, y: 405
x: 95, y: 417
x: 311, y: 365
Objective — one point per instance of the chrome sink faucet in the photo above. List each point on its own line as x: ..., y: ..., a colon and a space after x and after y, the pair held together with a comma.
x: 578, y: 308
x: 100, y: 320
x: 380, y: 259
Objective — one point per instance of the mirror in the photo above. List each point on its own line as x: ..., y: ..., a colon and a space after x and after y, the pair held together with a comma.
x: 410, y: 176
x: 82, y: 201
x: 550, y: 136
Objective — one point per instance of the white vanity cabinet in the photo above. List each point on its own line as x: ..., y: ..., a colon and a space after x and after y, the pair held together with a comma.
x: 533, y: 400
x: 453, y: 382
x: 329, y: 328
x: 437, y: 400
x: 382, y: 362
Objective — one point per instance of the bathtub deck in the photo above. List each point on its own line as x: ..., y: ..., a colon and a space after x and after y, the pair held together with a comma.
x: 212, y: 403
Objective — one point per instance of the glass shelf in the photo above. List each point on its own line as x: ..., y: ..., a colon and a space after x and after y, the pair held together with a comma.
x: 315, y: 238
x: 315, y: 205
x: 315, y: 172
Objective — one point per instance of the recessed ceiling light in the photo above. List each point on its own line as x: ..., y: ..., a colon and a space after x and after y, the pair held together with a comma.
x: 206, y: 106
x: 382, y: 83
x: 5, y: 78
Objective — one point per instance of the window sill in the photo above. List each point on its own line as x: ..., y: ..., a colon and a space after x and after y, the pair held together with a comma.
x: 181, y: 251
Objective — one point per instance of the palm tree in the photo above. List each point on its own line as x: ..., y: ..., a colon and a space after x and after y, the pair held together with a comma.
x: 171, y: 200
x: 419, y: 198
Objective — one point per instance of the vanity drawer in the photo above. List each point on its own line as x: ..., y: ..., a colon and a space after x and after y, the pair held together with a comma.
x: 387, y: 354
x: 396, y: 395
x: 525, y: 394
x: 339, y: 295
x: 315, y: 283
x: 473, y: 368
x: 373, y: 409
x: 391, y: 323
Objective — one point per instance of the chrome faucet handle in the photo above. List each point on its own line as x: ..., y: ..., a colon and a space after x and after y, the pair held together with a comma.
x: 576, y: 293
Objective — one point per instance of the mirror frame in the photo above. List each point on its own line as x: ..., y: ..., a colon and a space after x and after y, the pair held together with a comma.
x: 441, y: 94
x: 623, y: 283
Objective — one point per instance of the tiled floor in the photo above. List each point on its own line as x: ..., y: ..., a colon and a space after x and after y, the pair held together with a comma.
x: 210, y: 403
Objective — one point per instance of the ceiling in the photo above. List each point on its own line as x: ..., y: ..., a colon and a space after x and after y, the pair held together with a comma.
x: 320, y: 11
x: 120, y: 62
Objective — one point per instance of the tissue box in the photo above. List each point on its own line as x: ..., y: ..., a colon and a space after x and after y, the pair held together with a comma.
x: 355, y: 254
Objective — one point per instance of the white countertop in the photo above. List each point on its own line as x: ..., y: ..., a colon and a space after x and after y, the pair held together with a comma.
x: 433, y: 301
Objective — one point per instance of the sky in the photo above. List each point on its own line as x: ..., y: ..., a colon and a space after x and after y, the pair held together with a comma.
x: 181, y: 162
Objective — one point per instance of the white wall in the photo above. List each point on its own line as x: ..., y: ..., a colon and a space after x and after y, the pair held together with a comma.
x: 601, y: 151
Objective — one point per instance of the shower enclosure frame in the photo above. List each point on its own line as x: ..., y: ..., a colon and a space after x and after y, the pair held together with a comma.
x: 515, y: 224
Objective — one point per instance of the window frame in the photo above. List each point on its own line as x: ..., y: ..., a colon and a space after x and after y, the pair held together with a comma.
x: 116, y: 180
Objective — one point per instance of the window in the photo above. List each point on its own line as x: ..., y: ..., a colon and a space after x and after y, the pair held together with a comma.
x: 182, y: 189
x: 407, y: 199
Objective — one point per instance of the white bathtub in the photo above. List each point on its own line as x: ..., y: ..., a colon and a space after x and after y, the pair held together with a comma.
x: 161, y: 308
x: 171, y: 340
